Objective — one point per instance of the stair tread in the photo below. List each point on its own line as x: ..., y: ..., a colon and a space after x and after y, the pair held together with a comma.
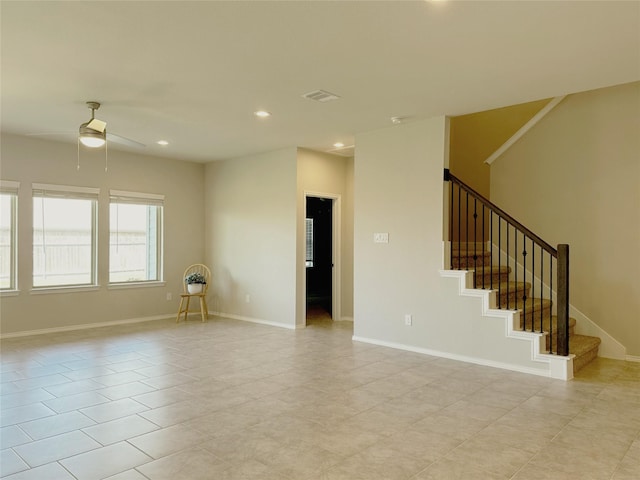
x: 491, y: 269
x: 503, y: 286
x: 529, y: 304
x: 581, y: 344
x: 545, y: 324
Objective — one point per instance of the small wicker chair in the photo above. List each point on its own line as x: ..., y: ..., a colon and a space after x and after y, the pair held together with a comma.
x: 186, y: 296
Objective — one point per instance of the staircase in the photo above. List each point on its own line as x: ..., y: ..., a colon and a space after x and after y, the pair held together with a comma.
x: 535, y: 312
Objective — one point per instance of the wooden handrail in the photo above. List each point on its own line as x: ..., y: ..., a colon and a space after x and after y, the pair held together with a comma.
x: 448, y: 176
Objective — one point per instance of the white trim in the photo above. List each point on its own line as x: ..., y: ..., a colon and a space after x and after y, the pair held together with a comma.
x: 454, y: 356
x: 632, y: 358
x: 524, y: 129
x: 120, y: 196
x: 45, y: 187
x: 127, y: 285
x: 85, y: 326
x: 256, y: 320
x: 9, y: 293
x: 63, y: 289
x: 9, y: 187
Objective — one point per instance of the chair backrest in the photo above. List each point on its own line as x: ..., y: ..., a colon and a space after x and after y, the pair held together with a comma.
x: 197, y: 268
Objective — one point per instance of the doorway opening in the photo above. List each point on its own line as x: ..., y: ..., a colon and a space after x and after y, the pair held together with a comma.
x: 320, y: 281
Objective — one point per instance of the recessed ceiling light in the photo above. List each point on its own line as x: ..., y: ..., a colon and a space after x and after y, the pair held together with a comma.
x: 164, y: 143
x: 338, y: 144
x: 262, y: 114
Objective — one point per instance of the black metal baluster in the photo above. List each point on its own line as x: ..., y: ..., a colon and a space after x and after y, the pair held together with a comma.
x: 550, y: 329
x: 491, y: 246
x: 541, y: 284
x: 483, y: 245
x: 500, y: 258
x: 459, y: 227
x: 515, y: 257
x: 451, y: 207
x: 475, y: 232
x: 524, y: 280
x: 533, y: 285
x: 508, y: 259
x: 466, y: 227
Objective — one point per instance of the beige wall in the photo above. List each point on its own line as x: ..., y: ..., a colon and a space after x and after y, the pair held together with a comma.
x: 399, y: 191
x: 250, y: 224
x: 29, y: 160
x: 582, y: 169
x: 331, y: 175
x: 474, y: 137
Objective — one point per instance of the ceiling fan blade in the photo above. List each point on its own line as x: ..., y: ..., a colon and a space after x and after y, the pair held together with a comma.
x: 97, y: 125
x: 124, y: 141
x: 49, y: 134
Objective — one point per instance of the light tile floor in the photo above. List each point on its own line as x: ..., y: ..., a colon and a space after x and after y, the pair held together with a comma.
x: 234, y: 400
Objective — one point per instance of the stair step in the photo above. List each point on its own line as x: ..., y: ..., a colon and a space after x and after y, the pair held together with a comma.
x: 469, y: 259
x: 478, y: 246
x: 545, y: 324
x: 513, y: 291
x: 584, y: 348
x: 531, y: 308
x: 491, y: 275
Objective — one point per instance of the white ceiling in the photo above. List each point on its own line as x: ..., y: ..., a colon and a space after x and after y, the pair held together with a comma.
x: 193, y: 73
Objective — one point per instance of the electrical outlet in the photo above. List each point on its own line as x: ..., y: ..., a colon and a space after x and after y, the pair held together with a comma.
x: 169, y: 296
x: 408, y: 320
x: 380, y: 238
x: 247, y: 298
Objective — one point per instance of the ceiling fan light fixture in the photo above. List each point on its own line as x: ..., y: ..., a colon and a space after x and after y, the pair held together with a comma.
x: 91, y: 138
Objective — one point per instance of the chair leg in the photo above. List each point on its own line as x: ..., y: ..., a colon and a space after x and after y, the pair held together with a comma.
x: 203, y: 307
x: 206, y: 306
x: 186, y: 310
x: 180, y: 310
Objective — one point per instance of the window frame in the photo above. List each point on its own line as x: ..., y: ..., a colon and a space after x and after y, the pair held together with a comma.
x: 309, y: 242
x: 43, y: 190
x: 148, y: 199
x: 8, y: 187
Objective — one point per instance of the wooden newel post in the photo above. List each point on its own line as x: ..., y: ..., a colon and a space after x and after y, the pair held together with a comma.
x: 563, y: 299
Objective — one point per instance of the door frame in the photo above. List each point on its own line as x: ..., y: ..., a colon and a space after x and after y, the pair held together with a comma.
x: 336, y: 215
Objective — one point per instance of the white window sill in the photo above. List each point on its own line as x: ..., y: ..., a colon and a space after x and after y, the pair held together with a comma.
x: 9, y: 293
x: 59, y: 289
x: 122, y: 286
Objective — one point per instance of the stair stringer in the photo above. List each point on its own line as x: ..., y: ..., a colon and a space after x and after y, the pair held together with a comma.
x: 557, y: 366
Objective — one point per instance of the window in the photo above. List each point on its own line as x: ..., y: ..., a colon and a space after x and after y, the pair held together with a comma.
x: 135, y: 238
x: 309, y: 237
x: 8, y: 210
x: 64, y: 235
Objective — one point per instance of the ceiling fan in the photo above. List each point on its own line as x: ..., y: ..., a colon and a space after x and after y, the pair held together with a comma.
x: 94, y: 133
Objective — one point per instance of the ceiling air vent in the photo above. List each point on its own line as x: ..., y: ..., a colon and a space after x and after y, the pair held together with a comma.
x: 321, y: 96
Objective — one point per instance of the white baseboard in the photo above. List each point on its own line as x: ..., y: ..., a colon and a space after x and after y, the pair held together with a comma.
x: 632, y: 358
x: 453, y: 356
x: 255, y: 320
x: 85, y: 326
